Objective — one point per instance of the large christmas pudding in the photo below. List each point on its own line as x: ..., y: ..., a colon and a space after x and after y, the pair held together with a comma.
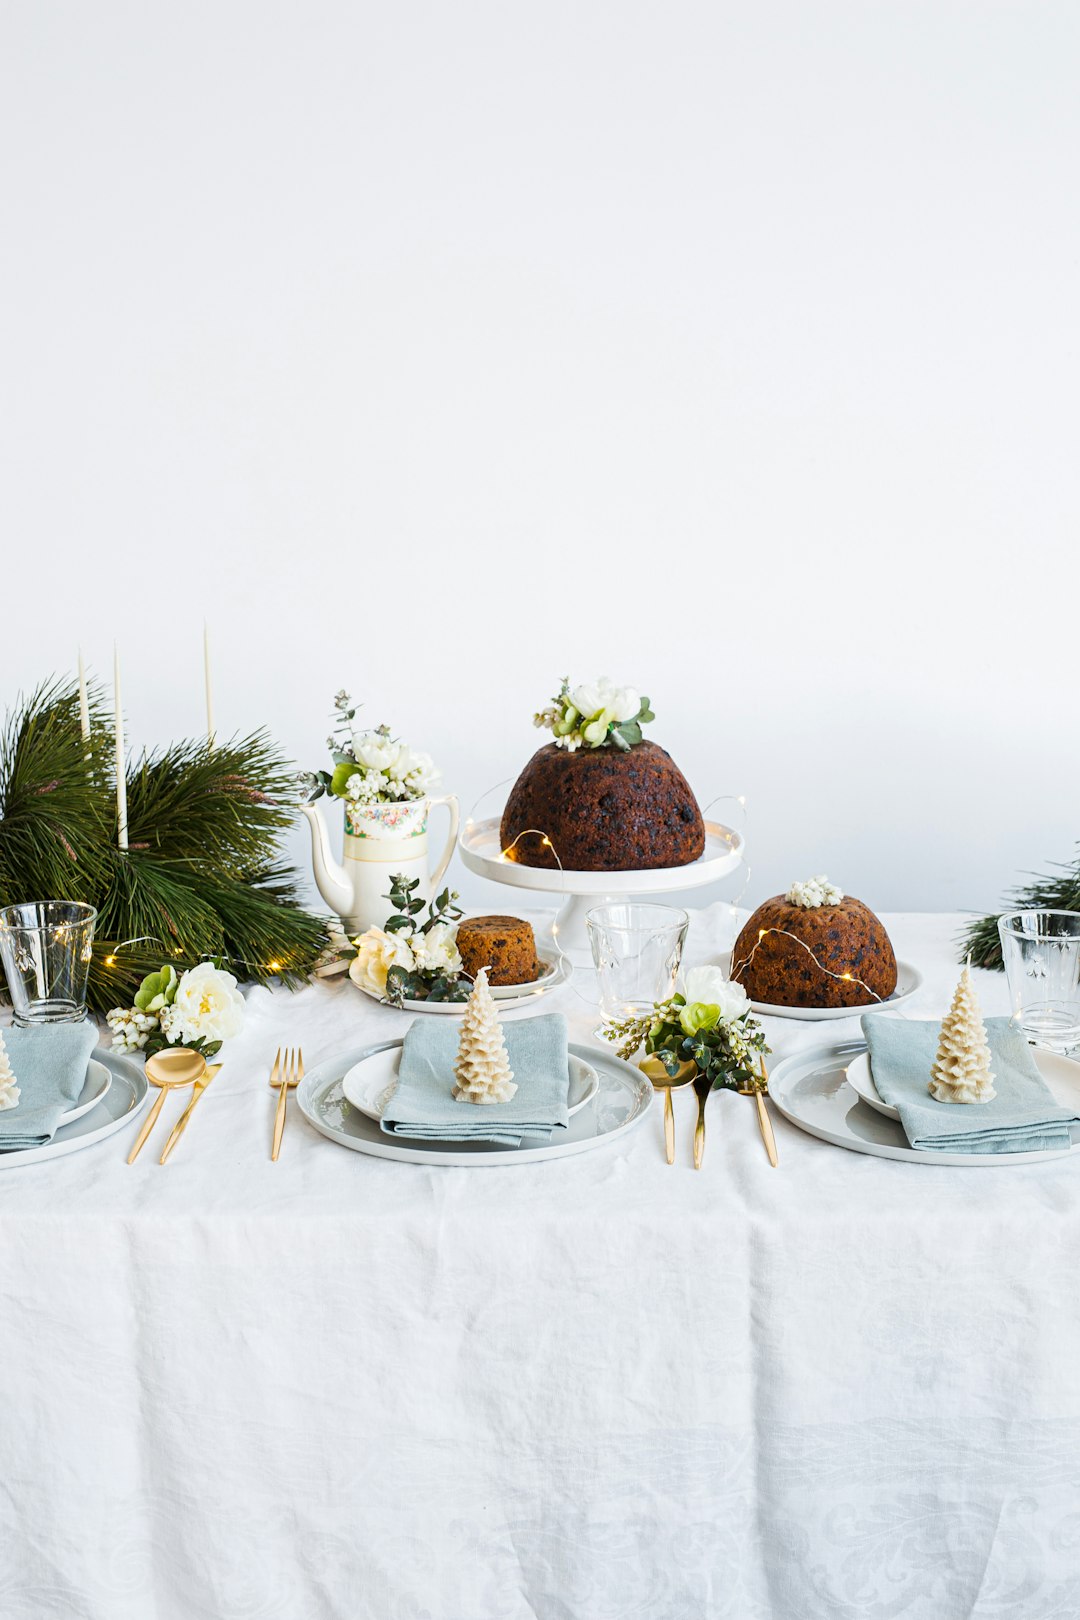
x: 814, y: 947
x: 599, y: 798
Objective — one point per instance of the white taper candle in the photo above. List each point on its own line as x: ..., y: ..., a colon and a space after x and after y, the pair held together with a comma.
x: 209, y: 688
x: 84, y: 702
x: 121, y: 764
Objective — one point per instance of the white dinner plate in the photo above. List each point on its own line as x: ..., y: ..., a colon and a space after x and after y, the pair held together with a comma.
x: 622, y: 1100
x: 507, y: 995
x: 811, y: 1090
x: 908, y: 980
x: 117, y: 1106
x: 860, y: 1078
x: 97, y: 1082
x: 370, y: 1084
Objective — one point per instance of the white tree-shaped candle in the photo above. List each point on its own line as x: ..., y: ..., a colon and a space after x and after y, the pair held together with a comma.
x: 961, y: 1072
x: 482, y: 1069
x: 9, y: 1091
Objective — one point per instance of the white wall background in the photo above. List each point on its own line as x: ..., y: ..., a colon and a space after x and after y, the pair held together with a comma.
x: 438, y: 350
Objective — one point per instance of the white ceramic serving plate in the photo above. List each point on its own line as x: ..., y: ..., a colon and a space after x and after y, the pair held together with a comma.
x: 507, y: 995
x: 908, y: 980
x: 116, y: 1107
x: 97, y: 1082
x: 811, y: 1090
x: 371, y: 1083
x: 622, y: 1100
x: 481, y: 851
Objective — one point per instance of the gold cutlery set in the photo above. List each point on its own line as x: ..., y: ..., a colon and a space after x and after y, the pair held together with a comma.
x: 687, y: 1075
x: 178, y: 1067
x: 173, y: 1070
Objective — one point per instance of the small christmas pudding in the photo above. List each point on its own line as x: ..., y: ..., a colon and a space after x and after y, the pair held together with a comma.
x: 599, y: 798
x: 814, y: 947
x: 506, y: 946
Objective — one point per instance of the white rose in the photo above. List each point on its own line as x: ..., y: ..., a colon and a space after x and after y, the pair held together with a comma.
x: 436, y: 951
x: 376, y: 953
x: 600, y: 696
x: 422, y: 773
x: 708, y: 985
x: 208, y: 1006
x: 377, y: 753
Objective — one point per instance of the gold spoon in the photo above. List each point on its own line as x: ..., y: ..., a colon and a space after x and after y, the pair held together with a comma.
x: 654, y: 1070
x: 170, y: 1070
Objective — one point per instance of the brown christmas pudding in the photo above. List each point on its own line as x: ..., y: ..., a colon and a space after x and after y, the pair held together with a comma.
x: 852, y: 962
x: 602, y: 810
x: 505, y: 946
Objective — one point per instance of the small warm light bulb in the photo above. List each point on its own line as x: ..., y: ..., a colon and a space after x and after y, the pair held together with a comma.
x: 845, y: 975
x: 762, y: 932
x: 110, y: 961
x: 275, y: 967
x: 546, y: 841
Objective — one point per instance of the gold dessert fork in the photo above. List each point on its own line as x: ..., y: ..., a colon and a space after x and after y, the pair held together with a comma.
x: 287, y: 1073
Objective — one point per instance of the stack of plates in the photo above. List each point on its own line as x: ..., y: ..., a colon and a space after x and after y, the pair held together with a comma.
x: 345, y: 1096
x: 113, y: 1092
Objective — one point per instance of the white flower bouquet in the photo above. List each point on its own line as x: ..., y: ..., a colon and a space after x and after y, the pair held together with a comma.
x: 199, y: 1008
x: 412, y: 957
x: 596, y: 714
x: 370, y: 766
x: 708, y: 1023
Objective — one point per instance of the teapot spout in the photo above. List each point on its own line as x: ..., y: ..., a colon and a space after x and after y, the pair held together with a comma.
x: 332, y: 880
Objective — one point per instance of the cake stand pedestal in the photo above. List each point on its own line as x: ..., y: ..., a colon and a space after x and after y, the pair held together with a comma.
x: 481, y: 851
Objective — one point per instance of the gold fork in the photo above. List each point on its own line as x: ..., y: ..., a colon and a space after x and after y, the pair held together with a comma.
x: 287, y: 1073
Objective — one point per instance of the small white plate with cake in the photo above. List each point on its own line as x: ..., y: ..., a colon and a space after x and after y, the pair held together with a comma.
x: 506, y: 946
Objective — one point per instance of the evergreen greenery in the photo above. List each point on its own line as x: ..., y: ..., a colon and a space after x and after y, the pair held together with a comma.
x: 1058, y: 892
x: 202, y: 875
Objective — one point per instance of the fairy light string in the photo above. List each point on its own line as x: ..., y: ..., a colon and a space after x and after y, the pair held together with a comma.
x: 763, y: 933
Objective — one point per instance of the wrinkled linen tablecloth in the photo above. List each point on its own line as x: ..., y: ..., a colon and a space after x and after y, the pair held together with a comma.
x: 598, y: 1388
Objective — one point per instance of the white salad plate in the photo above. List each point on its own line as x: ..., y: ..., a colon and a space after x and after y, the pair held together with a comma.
x: 623, y: 1097
x: 97, y: 1082
x: 508, y: 996
x: 908, y: 980
x: 370, y: 1084
x: 812, y: 1090
x: 116, y: 1105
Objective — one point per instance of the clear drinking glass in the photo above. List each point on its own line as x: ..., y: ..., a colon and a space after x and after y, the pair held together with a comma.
x: 45, y: 948
x: 636, y: 949
x: 1041, y: 950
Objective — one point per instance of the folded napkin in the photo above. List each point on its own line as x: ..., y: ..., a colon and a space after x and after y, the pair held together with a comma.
x: 49, y: 1062
x: 1022, y: 1118
x: 423, y: 1105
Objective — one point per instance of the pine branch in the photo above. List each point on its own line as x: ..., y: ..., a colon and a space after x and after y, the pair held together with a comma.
x: 1044, y: 893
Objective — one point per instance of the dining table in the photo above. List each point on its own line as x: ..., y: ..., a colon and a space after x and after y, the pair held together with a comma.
x: 600, y: 1387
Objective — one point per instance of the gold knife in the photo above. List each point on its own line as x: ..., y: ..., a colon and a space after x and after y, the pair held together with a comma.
x: 764, y: 1122
x: 181, y: 1124
x: 702, y: 1088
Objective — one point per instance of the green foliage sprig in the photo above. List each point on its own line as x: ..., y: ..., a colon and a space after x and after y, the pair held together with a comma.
x: 421, y: 983
x: 1059, y: 891
x: 202, y: 875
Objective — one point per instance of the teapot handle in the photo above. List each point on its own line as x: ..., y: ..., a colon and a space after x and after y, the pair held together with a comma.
x: 454, y: 808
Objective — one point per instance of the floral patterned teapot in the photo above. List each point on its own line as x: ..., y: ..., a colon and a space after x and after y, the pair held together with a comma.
x: 385, y: 785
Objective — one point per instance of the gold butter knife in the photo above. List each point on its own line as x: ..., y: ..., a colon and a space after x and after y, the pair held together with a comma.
x: 759, y: 1093
x: 181, y: 1124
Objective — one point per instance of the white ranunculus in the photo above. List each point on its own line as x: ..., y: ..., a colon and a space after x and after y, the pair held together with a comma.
x: 708, y: 985
x: 376, y: 953
x: 377, y: 753
x: 423, y: 772
x: 593, y: 697
x: 436, y: 951
x: 814, y: 893
x: 208, y: 1006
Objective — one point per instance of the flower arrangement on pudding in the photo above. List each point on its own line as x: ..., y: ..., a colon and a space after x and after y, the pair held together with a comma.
x: 197, y: 1009
x: 596, y: 714
x: 370, y: 766
x: 412, y: 957
x: 599, y: 797
x: 708, y: 1024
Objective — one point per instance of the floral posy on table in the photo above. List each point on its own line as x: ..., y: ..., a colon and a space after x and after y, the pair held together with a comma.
x: 198, y: 1009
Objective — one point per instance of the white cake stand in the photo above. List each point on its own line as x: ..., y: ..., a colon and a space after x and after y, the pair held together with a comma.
x: 481, y: 850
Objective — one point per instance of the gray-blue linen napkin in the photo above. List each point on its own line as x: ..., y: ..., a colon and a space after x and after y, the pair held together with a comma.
x: 423, y: 1105
x: 1022, y: 1118
x: 49, y: 1063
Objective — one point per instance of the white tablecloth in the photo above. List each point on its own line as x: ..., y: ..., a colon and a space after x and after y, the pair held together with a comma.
x: 598, y: 1388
